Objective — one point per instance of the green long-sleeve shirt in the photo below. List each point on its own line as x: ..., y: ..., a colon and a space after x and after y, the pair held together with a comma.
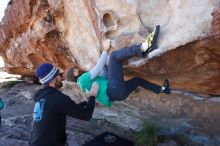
x: 85, y: 82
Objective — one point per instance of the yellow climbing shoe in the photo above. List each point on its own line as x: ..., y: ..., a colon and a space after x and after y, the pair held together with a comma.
x: 151, y: 40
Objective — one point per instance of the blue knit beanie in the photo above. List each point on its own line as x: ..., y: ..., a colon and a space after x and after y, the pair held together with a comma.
x: 46, y: 73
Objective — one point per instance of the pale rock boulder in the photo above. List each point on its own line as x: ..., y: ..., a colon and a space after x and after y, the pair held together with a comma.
x: 69, y: 33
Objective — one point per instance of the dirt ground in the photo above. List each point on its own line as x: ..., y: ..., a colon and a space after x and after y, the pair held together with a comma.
x: 15, y: 127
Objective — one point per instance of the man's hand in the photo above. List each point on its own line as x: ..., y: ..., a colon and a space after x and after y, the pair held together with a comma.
x: 106, y: 45
x: 93, y: 91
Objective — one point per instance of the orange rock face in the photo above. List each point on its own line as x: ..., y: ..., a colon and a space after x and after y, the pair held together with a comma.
x: 68, y: 33
x: 29, y: 37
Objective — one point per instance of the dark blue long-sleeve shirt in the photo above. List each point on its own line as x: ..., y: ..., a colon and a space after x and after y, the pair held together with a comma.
x: 49, y: 118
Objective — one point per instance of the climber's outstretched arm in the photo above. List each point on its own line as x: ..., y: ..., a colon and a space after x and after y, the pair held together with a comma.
x: 102, y: 60
x: 99, y: 65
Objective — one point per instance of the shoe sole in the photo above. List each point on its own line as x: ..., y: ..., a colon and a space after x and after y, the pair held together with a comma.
x: 154, y: 42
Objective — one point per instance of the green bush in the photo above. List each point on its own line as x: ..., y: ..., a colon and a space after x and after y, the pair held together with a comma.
x: 148, y: 136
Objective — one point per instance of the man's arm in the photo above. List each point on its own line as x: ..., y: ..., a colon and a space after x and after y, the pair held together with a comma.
x: 82, y: 111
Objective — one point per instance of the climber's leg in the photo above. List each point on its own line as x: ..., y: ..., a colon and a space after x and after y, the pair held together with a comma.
x: 126, y: 53
x: 122, y: 91
x: 116, y: 86
x: 133, y: 83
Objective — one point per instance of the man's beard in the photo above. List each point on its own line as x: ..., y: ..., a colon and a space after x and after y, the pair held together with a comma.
x: 58, y: 84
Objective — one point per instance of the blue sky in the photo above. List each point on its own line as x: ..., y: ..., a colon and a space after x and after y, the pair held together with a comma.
x: 3, y: 5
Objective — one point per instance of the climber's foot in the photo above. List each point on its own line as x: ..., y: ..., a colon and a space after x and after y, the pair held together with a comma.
x: 150, y: 42
x: 166, y: 87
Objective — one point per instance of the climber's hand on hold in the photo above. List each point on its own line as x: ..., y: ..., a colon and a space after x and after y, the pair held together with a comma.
x: 106, y: 45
